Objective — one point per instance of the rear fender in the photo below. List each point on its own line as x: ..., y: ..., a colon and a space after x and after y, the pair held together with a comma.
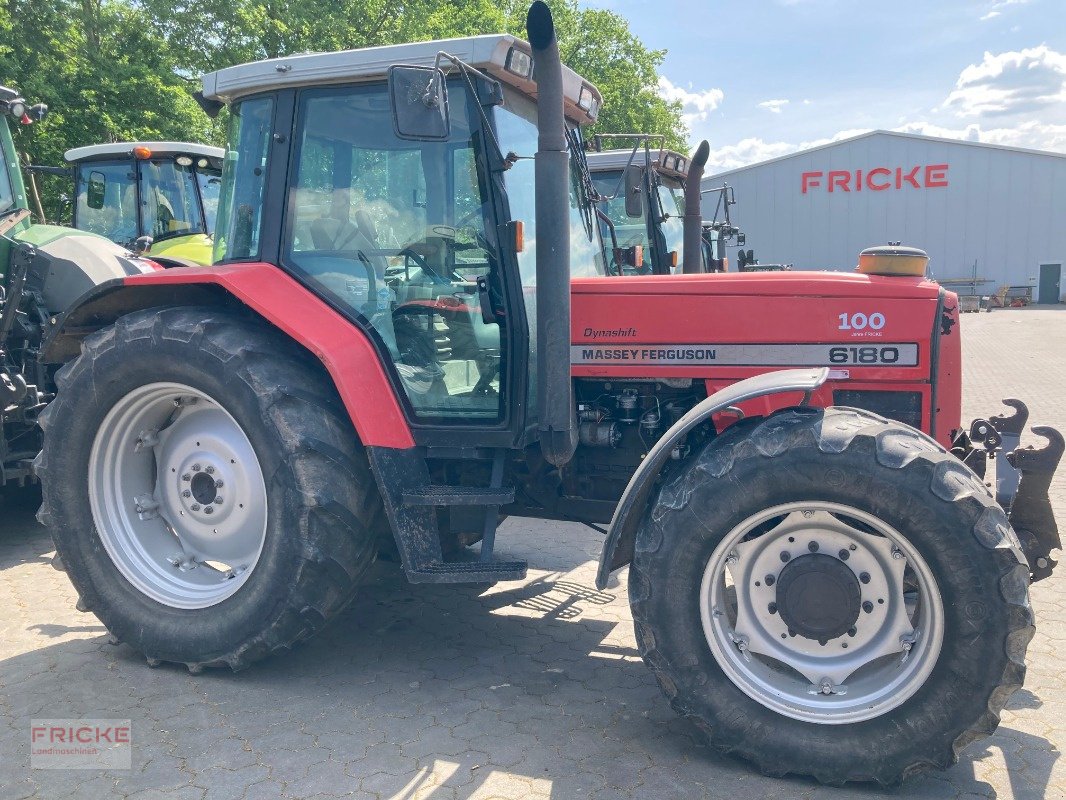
x: 618, y: 547
x: 344, y: 349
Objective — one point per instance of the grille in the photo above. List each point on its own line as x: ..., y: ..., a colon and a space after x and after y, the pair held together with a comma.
x: 905, y: 407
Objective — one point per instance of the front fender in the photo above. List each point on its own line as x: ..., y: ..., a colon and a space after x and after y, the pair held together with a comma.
x: 345, y: 350
x: 618, y: 547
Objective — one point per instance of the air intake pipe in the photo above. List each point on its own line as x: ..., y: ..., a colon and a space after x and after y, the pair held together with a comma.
x: 693, y: 229
x: 555, y: 400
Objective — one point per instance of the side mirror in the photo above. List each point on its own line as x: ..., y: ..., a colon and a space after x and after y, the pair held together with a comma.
x: 634, y: 179
x: 142, y: 244
x: 419, y: 97
x: 94, y: 192
x: 741, y: 238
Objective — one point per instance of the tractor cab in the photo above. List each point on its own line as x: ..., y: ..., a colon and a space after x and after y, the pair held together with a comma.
x: 416, y: 222
x: 643, y: 195
x: 156, y: 197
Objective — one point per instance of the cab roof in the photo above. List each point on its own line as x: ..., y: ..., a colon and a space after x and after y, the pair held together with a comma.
x: 668, y: 162
x: 490, y: 54
x: 113, y: 149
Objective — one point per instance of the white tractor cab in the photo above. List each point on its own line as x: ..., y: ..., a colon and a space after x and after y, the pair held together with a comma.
x: 642, y: 191
x: 160, y: 198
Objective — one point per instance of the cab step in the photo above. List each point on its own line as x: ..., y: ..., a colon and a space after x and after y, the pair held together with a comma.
x: 443, y: 495
x: 468, y: 572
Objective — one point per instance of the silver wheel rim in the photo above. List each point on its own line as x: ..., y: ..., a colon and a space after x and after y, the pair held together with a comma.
x: 881, y: 661
x: 177, y: 495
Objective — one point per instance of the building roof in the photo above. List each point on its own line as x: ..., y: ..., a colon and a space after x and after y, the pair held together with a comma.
x: 94, y: 151
x: 898, y: 134
x: 489, y: 53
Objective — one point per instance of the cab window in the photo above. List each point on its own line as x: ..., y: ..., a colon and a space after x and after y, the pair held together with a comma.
x: 106, y: 201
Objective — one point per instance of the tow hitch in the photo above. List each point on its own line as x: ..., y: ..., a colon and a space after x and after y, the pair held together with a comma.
x: 1023, y: 479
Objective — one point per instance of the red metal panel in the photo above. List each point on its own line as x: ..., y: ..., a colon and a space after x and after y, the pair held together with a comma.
x: 344, y: 350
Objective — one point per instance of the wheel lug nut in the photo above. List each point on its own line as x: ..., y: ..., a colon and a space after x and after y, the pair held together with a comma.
x: 865, y: 577
x: 195, y: 467
x: 195, y: 506
x: 772, y: 608
x: 186, y: 477
x: 210, y: 470
x: 785, y: 556
x: 770, y: 580
x: 852, y: 631
x: 868, y: 607
x: 897, y: 554
x: 209, y: 510
x: 813, y: 547
x: 218, y: 501
x: 186, y: 493
x: 218, y: 484
x: 844, y: 555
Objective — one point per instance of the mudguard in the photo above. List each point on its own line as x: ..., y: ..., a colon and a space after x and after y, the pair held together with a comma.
x: 618, y: 547
x: 346, y: 352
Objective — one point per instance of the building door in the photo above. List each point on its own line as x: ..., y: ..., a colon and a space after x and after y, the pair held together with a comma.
x: 1050, y: 283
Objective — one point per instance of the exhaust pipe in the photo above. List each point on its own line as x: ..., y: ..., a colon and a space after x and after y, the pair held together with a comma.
x: 693, y: 230
x: 555, y: 400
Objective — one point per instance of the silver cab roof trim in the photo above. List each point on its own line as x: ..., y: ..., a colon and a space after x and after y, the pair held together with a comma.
x: 668, y: 162
x: 486, y: 53
x: 158, y: 148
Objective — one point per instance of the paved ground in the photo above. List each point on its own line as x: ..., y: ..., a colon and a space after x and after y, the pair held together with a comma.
x: 533, y: 690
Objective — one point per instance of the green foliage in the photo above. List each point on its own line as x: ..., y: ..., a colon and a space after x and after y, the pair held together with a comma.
x: 116, y: 70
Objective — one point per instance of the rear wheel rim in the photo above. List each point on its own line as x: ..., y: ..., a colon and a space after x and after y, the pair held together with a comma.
x: 177, y: 495
x: 780, y: 587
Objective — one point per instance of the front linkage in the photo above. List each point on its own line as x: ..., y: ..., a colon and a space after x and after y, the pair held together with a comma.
x: 1023, y: 479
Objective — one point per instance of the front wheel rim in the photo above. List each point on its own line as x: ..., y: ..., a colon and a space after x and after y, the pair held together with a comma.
x: 177, y: 495
x: 786, y: 647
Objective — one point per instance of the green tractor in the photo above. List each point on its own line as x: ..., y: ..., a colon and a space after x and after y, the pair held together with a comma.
x: 157, y: 198
x: 43, y: 270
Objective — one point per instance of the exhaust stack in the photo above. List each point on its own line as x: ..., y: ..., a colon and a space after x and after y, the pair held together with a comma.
x: 555, y: 401
x: 693, y: 230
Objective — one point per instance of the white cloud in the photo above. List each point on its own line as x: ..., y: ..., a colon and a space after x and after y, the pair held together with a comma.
x: 773, y: 106
x: 1014, y: 82
x: 754, y: 150
x: 696, y: 105
x: 995, y: 9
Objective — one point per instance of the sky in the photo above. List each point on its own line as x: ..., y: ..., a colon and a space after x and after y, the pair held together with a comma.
x: 762, y: 78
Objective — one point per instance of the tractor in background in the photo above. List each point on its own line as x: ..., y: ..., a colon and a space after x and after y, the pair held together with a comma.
x: 819, y: 579
x: 156, y: 198
x: 43, y: 270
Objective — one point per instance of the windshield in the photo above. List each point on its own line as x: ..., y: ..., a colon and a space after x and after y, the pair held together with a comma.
x: 169, y: 199
x: 210, y: 181
x: 240, y: 203
x: 516, y: 127
x: 106, y: 200
x: 672, y: 207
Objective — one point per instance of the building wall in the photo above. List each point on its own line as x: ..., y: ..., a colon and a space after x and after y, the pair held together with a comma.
x: 1005, y: 209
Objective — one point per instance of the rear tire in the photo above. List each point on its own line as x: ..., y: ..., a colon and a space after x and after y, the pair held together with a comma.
x: 322, y: 509
x: 898, y: 480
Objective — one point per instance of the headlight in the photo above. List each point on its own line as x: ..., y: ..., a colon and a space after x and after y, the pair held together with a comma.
x: 519, y: 63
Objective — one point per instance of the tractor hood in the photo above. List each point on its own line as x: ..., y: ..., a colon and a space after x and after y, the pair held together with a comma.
x: 742, y: 324
x: 886, y: 334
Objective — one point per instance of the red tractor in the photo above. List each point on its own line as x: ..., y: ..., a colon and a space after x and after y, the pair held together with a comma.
x: 385, y: 355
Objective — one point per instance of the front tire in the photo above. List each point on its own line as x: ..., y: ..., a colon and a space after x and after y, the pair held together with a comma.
x: 828, y: 593
x: 204, y: 487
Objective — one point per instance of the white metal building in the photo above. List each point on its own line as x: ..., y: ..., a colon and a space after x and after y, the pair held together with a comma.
x: 965, y: 203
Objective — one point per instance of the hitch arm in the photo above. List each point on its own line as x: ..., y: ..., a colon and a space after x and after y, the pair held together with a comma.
x: 1031, y: 514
